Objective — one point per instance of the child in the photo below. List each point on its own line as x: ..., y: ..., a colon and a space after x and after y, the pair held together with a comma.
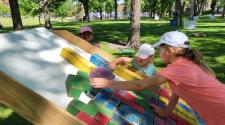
x: 189, y: 78
x: 142, y: 62
x: 86, y: 33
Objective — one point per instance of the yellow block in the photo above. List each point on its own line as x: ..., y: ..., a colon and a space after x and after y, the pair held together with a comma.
x: 126, y: 73
x: 181, y: 112
x: 77, y: 60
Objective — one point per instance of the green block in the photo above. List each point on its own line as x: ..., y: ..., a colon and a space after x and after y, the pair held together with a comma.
x: 75, y: 106
x: 74, y: 93
x: 83, y: 75
x: 90, y: 109
x: 72, y: 110
x: 111, y: 122
x: 75, y: 84
x: 144, y: 103
x: 93, y: 107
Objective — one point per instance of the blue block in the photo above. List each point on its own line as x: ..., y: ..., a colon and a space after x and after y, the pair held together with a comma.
x: 148, y: 118
x: 113, y: 103
x: 120, y: 120
x: 130, y: 114
x: 101, y: 98
x: 107, y: 91
x: 98, y: 60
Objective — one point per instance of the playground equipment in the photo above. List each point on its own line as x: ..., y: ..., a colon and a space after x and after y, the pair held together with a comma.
x: 182, y: 111
x: 96, y: 109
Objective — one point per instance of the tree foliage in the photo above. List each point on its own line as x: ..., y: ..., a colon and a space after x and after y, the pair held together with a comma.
x: 4, y: 9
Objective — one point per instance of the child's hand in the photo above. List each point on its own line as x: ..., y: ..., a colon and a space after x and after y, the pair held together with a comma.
x: 100, y: 83
x: 112, y: 65
x: 158, y: 110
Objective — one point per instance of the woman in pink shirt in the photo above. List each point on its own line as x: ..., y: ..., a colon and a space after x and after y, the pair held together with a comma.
x: 188, y: 76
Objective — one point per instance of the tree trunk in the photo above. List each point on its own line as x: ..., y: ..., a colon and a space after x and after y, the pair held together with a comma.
x: 48, y: 24
x: 86, y: 10
x: 62, y: 20
x: 181, y: 14
x: 170, y: 9
x: 115, y: 7
x: 154, y: 8
x: 39, y: 18
x: 213, y: 6
x: 100, y: 11
x: 201, y: 7
x: 134, y: 37
x: 176, y: 15
x: 16, y: 18
x: 191, y: 15
x: 223, y: 11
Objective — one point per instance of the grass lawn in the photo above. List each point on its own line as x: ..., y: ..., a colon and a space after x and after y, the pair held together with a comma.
x: 212, y: 45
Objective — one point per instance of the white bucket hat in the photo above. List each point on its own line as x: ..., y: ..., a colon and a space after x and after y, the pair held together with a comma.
x: 145, y: 51
x: 173, y: 38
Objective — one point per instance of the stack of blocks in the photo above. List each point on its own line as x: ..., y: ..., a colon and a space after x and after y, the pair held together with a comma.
x: 110, y: 107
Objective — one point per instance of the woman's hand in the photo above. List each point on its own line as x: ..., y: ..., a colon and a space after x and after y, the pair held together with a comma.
x: 112, y: 65
x: 100, y: 83
x: 158, y: 110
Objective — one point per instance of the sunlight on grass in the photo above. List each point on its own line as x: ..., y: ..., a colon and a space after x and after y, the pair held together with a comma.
x: 5, y: 112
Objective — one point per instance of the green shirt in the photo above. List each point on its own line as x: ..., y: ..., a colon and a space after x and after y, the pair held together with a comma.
x: 149, y: 70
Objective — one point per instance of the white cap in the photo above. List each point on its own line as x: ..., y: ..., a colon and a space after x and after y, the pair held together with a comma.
x: 173, y: 38
x: 85, y: 29
x: 145, y: 51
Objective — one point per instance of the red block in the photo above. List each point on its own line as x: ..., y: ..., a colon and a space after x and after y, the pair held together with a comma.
x: 131, y: 103
x: 102, y: 118
x: 87, y: 119
x: 126, y: 94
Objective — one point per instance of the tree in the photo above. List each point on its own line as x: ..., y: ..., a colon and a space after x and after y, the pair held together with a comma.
x: 86, y: 9
x: 213, y: 6
x: 115, y: 7
x: 109, y: 7
x: 221, y: 4
x: 4, y: 9
x: 32, y: 8
x: 191, y: 14
x: 48, y: 24
x: 63, y: 9
x: 134, y: 36
x: 127, y: 8
x: 15, y: 12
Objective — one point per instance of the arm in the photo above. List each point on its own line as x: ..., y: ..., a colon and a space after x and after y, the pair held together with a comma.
x: 168, y: 110
x: 148, y: 82
x: 112, y: 65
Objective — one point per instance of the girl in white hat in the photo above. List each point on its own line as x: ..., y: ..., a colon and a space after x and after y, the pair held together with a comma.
x: 142, y: 62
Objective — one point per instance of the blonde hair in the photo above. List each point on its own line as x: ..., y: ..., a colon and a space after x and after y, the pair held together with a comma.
x: 193, y: 55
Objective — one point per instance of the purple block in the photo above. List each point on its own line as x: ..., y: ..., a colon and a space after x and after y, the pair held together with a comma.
x: 101, y: 72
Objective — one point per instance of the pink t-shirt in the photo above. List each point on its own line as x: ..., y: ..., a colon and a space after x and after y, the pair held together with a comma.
x: 203, y: 93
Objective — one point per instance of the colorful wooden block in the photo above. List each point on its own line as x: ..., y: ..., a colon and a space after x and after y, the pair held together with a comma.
x: 102, y: 118
x: 112, y: 103
x: 77, y: 60
x: 98, y: 60
x: 87, y: 119
x: 101, y: 72
x: 120, y: 120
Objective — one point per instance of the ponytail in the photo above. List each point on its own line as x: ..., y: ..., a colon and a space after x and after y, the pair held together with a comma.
x: 197, y: 57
